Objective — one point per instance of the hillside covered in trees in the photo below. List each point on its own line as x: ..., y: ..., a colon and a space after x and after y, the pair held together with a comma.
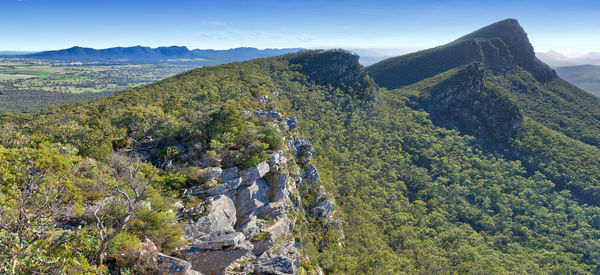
x: 473, y: 157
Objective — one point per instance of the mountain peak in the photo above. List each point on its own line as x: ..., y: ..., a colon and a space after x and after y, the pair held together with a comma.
x: 511, y: 32
x: 499, y: 47
x: 505, y: 28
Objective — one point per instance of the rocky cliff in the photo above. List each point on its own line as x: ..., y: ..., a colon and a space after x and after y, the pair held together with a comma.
x: 461, y: 98
x: 248, y: 221
x: 338, y: 68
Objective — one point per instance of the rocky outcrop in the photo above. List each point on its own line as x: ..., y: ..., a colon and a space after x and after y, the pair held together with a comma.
x: 322, y: 206
x: 338, y: 68
x: 220, y: 240
x: 245, y: 222
x: 165, y: 263
x: 465, y: 101
x: 250, y: 199
x: 255, y: 173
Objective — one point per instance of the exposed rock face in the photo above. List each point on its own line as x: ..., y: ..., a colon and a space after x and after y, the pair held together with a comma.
x: 174, y: 265
x: 270, y: 115
x: 323, y: 205
x: 336, y: 67
x: 465, y: 101
x: 212, y: 174
x: 465, y: 83
x: 280, y: 190
x: 510, y: 32
x: 292, y: 123
x: 247, y: 216
x: 221, y: 218
x: 166, y: 263
x: 221, y: 240
x: 230, y: 173
x: 277, y: 265
x: 250, y: 199
x: 247, y: 221
x: 324, y: 209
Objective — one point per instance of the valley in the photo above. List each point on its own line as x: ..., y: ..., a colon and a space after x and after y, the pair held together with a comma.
x: 586, y: 77
x: 28, y: 84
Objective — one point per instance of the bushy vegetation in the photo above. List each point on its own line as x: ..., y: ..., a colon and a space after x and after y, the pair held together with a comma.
x: 83, y: 159
x: 556, y: 104
x: 417, y: 191
x: 419, y: 198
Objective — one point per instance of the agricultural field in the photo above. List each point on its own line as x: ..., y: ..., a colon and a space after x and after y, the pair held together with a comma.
x: 30, y: 84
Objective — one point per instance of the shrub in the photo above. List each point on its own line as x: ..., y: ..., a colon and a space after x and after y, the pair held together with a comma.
x: 261, y: 236
x: 120, y: 143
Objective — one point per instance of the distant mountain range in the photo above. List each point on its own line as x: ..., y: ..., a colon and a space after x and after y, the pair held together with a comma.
x: 556, y: 59
x: 147, y: 54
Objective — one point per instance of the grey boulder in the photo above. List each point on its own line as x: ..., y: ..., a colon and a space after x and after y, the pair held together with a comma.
x: 250, y: 198
x: 221, y: 218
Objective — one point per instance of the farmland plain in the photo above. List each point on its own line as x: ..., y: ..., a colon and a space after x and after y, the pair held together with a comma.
x: 28, y: 84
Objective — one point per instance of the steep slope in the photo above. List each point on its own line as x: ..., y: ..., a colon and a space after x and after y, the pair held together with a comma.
x: 418, y: 198
x: 461, y: 99
x: 503, y: 49
x: 409, y: 195
x: 498, y: 46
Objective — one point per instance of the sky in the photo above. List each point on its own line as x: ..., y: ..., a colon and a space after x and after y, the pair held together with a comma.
x: 388, y: 27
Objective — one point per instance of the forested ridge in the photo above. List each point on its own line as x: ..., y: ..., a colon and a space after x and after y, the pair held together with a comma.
x: 464, y: 169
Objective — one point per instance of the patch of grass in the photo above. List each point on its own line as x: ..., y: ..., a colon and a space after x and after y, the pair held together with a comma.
x: 261, y: 236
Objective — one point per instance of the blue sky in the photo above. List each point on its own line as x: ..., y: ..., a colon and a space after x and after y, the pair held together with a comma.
x: 570, y: 27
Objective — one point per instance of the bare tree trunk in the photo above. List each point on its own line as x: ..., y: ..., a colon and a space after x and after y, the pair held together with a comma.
x: 99, y: 257
x: 139, y: 190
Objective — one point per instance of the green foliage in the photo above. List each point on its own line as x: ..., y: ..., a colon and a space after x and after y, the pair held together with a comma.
x: 272, y: 138
x: 261, y: 236
x: 417, y: 190
x: 123, y: 243
x: 556, y: 104
x: 63, y: 252
x: 174, y: 180
x: 460, y: 99
x: 225, y: 125
x: 121, y: 143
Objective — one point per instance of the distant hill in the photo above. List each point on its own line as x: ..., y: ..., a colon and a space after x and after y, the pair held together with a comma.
x: 556, y: 59
x: 172, y: 53
x: 586, y: 77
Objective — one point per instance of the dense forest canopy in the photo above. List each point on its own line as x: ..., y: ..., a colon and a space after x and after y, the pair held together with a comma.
x: 480, y: 167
